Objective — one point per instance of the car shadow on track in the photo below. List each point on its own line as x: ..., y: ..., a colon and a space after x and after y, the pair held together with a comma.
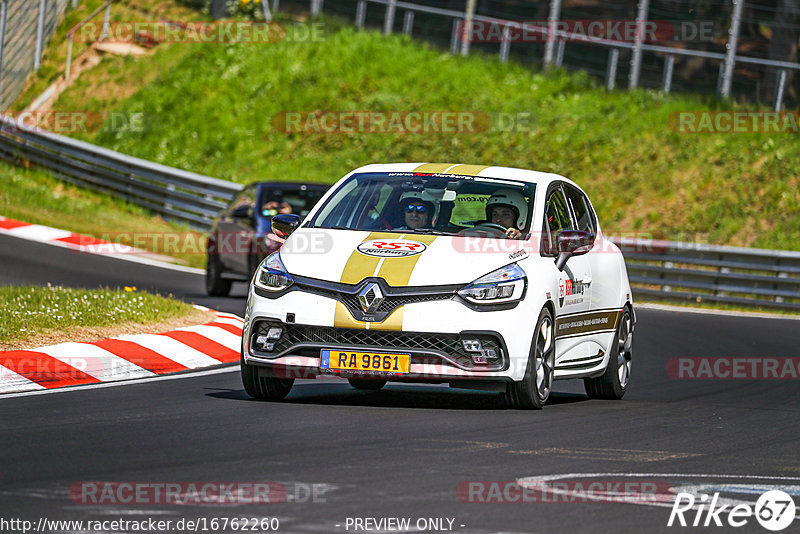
x: 396, y: 396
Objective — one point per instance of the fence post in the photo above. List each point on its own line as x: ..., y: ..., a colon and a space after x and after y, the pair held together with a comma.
x: 669, y: 66
x: 730, y: 52
x: 361, y: 13
x: 74, y: 4
x: 408, y: 22
x: 275, y: 5
x: 388, y: 19
x: 779, y: 93
x: 106, y: 17
x: 316, y: 7
x: 552, y: 19
x: 265, y: 10
x: 454, y: 37
x: 69, y: 56
x: 636, y: 59
x: 505, y: 45
x: 562, y: 44
x: 3, y: 11
x: 611, y: 73
x: 466, y: 30
x: 37, y: 58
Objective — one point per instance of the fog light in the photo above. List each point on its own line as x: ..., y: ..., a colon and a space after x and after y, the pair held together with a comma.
x: 262, y: 343
x: 471, y: 345
x: 274, y: 332
x: 479, y: 358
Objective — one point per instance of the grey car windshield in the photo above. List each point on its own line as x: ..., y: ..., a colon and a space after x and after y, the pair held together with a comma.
x: 427, y: 204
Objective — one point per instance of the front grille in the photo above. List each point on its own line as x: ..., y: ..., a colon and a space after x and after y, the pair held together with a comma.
x: 308, y: 340
x: 390, y: 302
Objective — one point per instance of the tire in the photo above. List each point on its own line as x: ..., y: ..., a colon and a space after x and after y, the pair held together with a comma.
x: 614, y: 382
x: 366, y: 384
x: 263, y: 387
x: 532, y: 392
x: 216, y: 286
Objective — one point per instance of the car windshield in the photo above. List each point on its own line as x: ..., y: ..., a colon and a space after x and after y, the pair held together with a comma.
x: 291, y: 199
x: 423, y: 203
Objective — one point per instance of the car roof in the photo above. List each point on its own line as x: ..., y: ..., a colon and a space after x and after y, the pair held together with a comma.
x: 490, y: 171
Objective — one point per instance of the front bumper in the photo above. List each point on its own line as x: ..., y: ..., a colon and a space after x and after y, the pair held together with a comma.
x: 431, y: 332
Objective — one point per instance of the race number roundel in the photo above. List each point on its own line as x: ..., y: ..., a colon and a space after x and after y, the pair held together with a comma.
x: 391, y: 248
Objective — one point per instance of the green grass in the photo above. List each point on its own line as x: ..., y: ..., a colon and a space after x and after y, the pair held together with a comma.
x: 27, y: 311
x: 34, y: 196
x: 212, y: 113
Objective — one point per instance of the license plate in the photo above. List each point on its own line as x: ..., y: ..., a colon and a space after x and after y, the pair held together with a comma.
x: 368, y: 362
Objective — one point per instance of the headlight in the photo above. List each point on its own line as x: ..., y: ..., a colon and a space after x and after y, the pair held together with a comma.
x: 271, y: 274
x: 506, y: 284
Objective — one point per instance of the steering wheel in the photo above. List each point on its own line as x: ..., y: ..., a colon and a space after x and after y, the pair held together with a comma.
x: 485, y: 227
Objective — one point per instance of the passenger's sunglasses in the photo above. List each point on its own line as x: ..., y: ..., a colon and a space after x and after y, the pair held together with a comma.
x: 419, y: 207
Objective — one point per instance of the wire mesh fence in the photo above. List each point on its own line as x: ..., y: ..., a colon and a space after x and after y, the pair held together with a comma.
x: 739, y: 48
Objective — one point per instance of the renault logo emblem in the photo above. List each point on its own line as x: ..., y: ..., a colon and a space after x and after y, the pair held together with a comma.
x: 370, y: 298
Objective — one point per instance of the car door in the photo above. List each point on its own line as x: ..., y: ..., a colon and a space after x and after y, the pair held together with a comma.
x: 573, y: 294
x: 236, y: 229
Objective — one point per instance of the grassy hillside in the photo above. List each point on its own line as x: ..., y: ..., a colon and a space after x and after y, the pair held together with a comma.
x: 213, y: 114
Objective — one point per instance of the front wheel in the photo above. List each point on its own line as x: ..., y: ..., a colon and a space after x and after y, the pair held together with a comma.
x: 614, y: 382
x: 263, y: 387
x: 533, y: 391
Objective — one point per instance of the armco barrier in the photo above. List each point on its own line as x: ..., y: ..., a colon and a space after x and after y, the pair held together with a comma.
x: 171, y: 192
x: 664, y: 270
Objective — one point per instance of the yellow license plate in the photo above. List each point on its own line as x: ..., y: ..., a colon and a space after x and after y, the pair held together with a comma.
x: 342, y: 360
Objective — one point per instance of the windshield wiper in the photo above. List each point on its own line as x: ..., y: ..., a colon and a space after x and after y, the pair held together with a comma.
x: 427, y: 231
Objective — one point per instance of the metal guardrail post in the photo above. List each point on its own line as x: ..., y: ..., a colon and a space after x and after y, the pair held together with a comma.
x: 552, y: 18
x: 730, y: 53
x: 275, y: 5
x: 361, y: 13
x: 466, y: 30
x: 408, y: 22
x: 505, y: 44
x: 636, y: 58
x: 37, y: 58
x: 669, y: 66
x: 388, y: 19
x: 779, y: 93
x: 316, y: 7
x: 611, y: 72
x: 106, y: 17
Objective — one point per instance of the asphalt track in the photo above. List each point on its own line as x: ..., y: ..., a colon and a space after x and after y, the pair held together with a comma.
x: 403, y: 451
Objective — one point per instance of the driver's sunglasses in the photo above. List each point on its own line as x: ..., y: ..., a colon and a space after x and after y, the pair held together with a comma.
x: 411, y: 207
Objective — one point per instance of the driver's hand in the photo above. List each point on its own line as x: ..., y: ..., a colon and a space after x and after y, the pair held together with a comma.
x: 513, y: 233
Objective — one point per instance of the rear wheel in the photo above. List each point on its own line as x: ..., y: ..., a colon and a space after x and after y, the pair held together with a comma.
x: 614, y: 382
x: 216, y: 286
x: 366, y: 384
x: 262, y: 387
x: 533, y: 391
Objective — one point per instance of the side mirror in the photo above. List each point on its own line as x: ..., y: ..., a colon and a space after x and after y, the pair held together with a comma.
x: 572, y: 243
x: 284, y: 224
x: 242, y: 212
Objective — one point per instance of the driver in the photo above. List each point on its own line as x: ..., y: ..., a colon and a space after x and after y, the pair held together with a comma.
x: 508, y: 209
x: 417, y: 213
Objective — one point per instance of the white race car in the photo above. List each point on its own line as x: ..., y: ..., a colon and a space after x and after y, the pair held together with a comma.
x: 479, y: 277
